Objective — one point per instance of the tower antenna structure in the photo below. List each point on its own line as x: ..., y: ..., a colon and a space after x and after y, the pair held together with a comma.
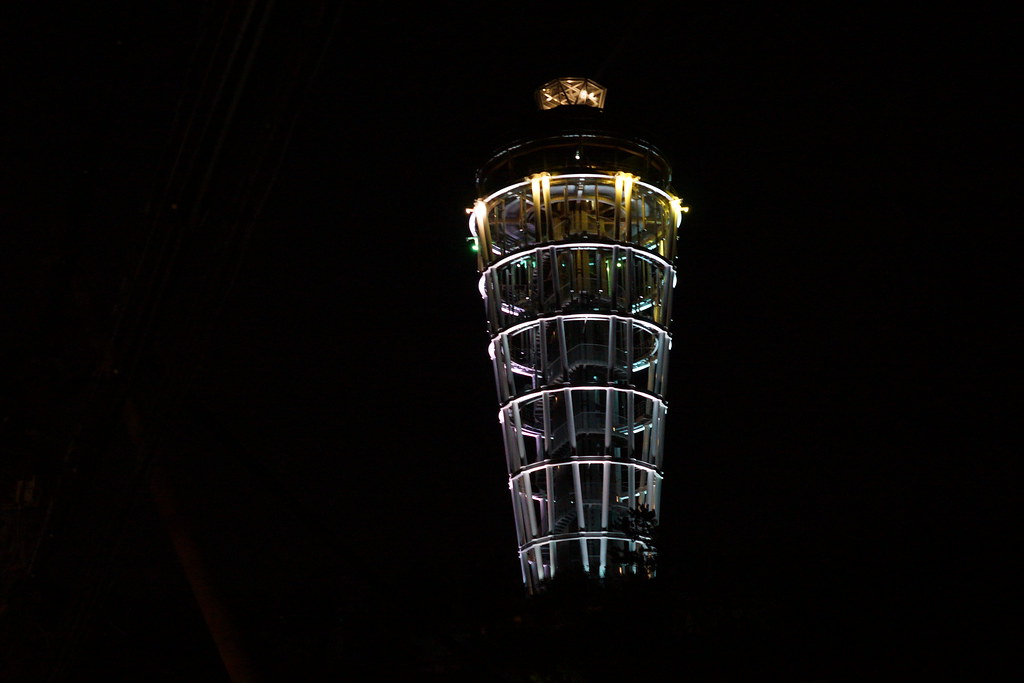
x: 575, y: 232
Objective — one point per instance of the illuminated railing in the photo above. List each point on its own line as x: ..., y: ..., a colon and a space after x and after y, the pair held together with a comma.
x: 607, y: 350
x: 553, y: 208
x: 570, y: 517
x: 577, y: 278
x: 573, y: 422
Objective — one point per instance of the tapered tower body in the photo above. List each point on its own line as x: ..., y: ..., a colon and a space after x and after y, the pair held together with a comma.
x: 575, y: 229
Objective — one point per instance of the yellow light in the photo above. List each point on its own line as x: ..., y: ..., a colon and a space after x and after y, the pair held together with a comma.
x: 480, y: 209
x: 678, y: 209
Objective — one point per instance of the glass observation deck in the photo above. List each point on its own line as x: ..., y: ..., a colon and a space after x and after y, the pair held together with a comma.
x: 576, y: 265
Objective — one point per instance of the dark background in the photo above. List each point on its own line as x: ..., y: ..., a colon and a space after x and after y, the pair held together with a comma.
x: 246, y: 356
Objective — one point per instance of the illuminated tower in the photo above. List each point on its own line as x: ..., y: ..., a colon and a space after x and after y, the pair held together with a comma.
x: 575, y: 230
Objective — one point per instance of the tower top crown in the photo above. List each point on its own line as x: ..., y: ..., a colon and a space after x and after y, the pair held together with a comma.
x: 571, y: 91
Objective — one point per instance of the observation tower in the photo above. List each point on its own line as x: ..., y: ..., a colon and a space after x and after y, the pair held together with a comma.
x: 575, y: 233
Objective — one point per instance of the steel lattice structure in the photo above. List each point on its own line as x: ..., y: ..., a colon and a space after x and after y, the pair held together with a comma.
x: 575, y: 230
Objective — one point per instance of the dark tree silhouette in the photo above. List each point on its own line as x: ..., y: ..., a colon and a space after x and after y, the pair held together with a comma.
x: 641, y: 526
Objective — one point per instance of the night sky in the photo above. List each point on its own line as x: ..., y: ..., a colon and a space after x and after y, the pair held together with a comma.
x: 834, y: 447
